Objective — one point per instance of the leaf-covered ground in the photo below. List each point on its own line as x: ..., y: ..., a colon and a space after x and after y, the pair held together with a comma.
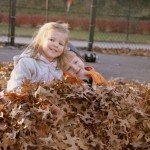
x: 121, y: 51
x: 63, y: 116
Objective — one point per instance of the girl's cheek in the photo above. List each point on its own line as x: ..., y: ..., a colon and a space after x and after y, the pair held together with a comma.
x: 49, y: 43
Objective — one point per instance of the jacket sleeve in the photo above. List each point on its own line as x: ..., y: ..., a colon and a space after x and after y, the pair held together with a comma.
x: 19, y: 73
x: 97, y: 78
x: 100, y: 79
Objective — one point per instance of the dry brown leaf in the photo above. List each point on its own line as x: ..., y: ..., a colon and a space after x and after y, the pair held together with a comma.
x: 63, y: 116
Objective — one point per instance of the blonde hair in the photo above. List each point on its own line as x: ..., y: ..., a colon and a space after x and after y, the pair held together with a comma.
x: 65, y: 58
x: 43, y: 32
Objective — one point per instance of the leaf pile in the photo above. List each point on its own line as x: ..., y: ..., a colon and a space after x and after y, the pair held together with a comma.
x: 5, y: 70
x: 64, y: 116
x: 121, y: 51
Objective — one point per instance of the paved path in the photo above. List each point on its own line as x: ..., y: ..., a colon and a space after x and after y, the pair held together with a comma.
x: 129, y: 67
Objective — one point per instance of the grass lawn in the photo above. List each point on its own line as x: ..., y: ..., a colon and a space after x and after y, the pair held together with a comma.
x: 84, y: 35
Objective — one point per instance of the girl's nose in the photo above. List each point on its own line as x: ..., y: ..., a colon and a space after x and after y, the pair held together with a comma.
x: 56, y: 44
x: 74, y: 67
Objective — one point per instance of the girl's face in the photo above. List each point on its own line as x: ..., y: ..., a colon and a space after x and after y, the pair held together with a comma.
x: 75, y: 68
x: 53, y: 45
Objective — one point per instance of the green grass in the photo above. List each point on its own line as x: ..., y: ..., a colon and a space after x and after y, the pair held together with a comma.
x: 83, y: 35
x: 25, y: 31
x: 141, y: 38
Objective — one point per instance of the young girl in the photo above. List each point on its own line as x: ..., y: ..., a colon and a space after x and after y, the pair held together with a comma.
x: 73, y: 67
x: 38, y: 61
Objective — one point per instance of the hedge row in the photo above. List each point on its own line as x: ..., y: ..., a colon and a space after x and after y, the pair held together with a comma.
x: 103, y: 25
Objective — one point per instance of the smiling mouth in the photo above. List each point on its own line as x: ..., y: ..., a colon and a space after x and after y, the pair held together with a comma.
x: 53, y: 50
x: 78, y: 71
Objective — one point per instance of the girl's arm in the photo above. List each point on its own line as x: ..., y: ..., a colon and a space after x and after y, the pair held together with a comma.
x: 19, y: 73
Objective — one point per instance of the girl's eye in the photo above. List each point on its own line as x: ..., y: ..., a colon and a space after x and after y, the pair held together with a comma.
x: 62, y: 44
x: 68, y: 68
x: 76, y: 62
x: 51, y: 40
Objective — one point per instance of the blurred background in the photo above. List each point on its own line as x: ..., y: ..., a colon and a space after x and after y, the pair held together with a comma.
x: 107, y: 21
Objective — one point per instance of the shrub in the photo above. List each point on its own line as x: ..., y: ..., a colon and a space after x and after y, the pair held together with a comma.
x: 144, y: 27
x: 36, y: 20
x: 121, y: 26
x: 102, y: 25
x: 29, y: 20
x: 22, y: 20
x: 4, y: 17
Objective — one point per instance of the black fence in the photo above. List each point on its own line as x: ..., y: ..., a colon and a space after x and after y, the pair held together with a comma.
x: 105, y: 21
